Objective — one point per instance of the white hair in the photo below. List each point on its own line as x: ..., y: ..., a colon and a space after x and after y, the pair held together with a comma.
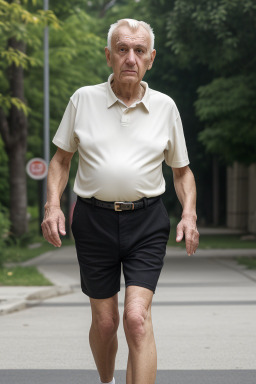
x: 134, y: 25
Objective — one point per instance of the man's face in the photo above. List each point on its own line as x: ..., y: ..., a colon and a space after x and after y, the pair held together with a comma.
x: 130, y: 56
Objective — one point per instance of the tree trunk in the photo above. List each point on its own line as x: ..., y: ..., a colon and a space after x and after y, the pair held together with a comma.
x: 18, y: 190
x: 14, y: 133
x: 215, y: 192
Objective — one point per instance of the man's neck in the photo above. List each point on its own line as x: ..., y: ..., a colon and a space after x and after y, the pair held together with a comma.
x: 128, y: 93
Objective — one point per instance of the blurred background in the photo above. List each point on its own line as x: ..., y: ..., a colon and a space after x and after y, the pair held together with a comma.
x: 206, y: 61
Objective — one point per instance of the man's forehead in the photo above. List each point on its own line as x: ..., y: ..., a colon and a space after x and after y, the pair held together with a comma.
x: 124, y: 34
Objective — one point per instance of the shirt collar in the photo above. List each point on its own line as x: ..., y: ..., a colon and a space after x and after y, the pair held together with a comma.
x: 112, y: 99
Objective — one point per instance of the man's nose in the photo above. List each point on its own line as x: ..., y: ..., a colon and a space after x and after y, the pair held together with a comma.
x: 131, y: 57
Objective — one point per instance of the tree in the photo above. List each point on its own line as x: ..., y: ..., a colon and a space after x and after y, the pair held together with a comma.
x: 219, y: 35
x: 17, y: 27
x: 4, y: 185
x: 76, y: 58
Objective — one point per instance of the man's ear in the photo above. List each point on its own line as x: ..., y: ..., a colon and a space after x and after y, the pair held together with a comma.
x: 107, y: 53
x: 152, y: 58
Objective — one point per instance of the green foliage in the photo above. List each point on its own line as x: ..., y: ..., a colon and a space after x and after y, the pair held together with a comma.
x: 204, y: 58
x: 223, y: 97
x: 16, y: 22
x: 26, y: 276
x: 216, y: 242
x: 21, y: 28
x: 214, y: 33
x: 219, y: 35
x: 7, y: 101
x: 17, y: 254
x: 227, y: 105
x: 76, y: 59
x: 18, y: 58
x: 4, y: 224
x: 249, y: 262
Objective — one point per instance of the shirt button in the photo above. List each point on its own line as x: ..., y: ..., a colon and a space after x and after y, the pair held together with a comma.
x: 125, y: 119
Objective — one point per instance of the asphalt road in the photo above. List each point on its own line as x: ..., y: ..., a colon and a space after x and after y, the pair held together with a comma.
x: 163, y: 377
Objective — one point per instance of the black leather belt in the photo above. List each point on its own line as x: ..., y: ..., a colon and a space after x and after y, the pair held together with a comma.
x: 121, y: 205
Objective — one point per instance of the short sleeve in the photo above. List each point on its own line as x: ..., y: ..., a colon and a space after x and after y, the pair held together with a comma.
x: 65, y: 136
x: 176, y: 154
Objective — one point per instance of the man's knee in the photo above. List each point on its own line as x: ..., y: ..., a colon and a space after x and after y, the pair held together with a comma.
x: 136, y: 318
x: 106, y: 324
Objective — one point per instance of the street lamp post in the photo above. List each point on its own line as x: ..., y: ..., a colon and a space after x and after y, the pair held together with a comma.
x: 46, y: 103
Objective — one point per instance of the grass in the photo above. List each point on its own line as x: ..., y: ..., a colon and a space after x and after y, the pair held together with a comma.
x: 26, y: 276
x: 216, y: 241
x: 16, y: 253
x: 19, y: 250
x: 249, y: 262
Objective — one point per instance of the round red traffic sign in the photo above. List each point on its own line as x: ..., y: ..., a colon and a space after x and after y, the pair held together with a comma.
x: 37, y: 168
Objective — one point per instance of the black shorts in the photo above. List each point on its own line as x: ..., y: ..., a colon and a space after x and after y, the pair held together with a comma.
x: 106, y: 239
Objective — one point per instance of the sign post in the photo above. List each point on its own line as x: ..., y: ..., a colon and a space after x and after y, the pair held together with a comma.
x: 46, y: 102
x: 37, y: 169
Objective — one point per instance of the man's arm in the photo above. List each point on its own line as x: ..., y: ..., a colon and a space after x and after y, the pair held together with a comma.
x: 54, y: 220
x: 185, y: 188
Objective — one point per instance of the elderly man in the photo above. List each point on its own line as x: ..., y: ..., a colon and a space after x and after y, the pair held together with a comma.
x: 123, y: 130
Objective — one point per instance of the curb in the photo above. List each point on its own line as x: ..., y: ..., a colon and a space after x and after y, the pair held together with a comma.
x: 16, y: 304
x: 240, y: 268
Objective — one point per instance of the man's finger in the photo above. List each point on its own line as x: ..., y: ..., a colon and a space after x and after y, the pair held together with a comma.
x: 53, y: 234
x: 46, y: 232
x: 189, y: 243
x: 180, y: 234
x: 62, y: 226
x: 196, y: 243
x: 192, y: 242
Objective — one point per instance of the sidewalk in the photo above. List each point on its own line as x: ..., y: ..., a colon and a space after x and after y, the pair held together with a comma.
x: 203, y: 312
x: 53, y: 266
x: 61, y: 268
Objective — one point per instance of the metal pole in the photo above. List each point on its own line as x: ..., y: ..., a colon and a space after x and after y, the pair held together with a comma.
x: 46, y: 103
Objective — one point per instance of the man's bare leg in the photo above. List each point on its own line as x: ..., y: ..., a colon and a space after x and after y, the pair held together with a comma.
x: 129, y: 370
x: 103, y: 335
x: 142, y: 359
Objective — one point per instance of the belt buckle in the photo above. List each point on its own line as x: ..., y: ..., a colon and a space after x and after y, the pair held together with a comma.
x: 118, y: 205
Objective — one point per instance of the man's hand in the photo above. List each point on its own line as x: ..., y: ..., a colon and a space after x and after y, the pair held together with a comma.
x: 187, y: 227
x: 53, y: 224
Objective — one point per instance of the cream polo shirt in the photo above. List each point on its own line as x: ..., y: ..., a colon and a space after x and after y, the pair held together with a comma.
x: 121, y: 149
